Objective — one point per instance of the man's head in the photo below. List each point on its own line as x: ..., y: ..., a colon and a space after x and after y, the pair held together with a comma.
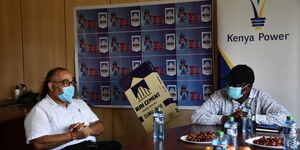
x: 240, y: 74
x: 239, y: 82
x: 59, y: 84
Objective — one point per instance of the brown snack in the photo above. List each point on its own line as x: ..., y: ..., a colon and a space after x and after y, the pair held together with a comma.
x: 203, y: 136
x: 269, y: 141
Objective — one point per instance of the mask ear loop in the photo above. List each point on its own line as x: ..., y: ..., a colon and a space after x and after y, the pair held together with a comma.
x: 244, y: 87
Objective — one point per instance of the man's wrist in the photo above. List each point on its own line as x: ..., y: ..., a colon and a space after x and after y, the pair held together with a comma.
x: 223, y: 119
x: 72, y: 136
x: 90, y: 131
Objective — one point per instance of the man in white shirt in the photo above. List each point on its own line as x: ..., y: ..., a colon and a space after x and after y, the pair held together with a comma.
x: 229, y: 101
x: 60, y: 121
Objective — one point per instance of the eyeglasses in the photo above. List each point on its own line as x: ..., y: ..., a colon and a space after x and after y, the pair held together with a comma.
x: 66, y: 82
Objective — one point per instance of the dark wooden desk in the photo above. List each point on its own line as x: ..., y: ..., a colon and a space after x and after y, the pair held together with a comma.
x: 172, y: 139
x: 12, y: 133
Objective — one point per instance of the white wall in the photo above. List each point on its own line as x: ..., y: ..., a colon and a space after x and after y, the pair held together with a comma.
x: 276, y: 63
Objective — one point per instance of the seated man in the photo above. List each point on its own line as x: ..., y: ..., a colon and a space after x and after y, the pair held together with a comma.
x: 229, y: 101
x: 59, y: 121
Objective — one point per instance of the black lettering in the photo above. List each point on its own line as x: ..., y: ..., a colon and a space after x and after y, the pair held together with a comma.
x: 260, y: 36
x: 148, y: 114
x: 273, y: 37
x: 139, y: 107
x: 229, y: 38
x: 235, y: 38
x: 281, y: 36
x: 286, y: 36
x: 152, y: 98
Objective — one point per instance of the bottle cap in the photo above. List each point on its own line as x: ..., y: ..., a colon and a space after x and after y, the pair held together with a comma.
x: 231, y: 118
x: 219, y: 133
x: 247, y: 104
x: 289, y: 117
x: 158, y: 108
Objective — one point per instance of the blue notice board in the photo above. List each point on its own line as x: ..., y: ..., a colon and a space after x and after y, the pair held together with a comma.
x: 176, y: 37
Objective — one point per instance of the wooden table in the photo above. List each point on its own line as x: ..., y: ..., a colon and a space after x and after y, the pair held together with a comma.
x: 12, y: 133
x: 172, y: 139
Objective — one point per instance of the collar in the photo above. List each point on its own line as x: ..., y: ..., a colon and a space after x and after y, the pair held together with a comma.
x: 251, y: 95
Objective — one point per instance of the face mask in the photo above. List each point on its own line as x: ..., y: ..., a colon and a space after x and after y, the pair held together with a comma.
x: 68, y: 93
x: 235, y: 92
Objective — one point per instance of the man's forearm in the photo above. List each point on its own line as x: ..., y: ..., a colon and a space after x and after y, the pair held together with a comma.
x: 270, y: 119
x: 97, y: 128
x: 51, y: 141
x: 206, y: 119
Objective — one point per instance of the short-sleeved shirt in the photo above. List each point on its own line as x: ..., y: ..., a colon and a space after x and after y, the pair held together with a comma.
x: 49, y: 118
x: 265, y: 109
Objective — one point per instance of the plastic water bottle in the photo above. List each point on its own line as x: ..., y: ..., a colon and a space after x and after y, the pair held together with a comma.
x: 158, y: 124
x: 290, y: 134
x: 230, y: 127
x: 17, y: 92
x: 220, y: 142
x: 247, y: 125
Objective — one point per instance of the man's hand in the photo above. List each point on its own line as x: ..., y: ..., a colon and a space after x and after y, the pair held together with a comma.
x: 238, y: 115
x: 82, y: 132
x: 75, y: 127
x: 79, y: 130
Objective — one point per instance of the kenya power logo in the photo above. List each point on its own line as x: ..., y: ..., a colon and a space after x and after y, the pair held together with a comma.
x: 258, y: 7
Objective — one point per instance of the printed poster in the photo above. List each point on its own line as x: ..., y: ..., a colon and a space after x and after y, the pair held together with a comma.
x: 146, y: 91
x: 176, y: 37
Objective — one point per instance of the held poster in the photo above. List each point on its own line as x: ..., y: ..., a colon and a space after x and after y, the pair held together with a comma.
x: 112, y: 40
x: 145, y: 91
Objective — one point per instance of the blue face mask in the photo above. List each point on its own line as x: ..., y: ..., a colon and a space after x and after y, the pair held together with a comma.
x: 235, y: 92
x: 68, y: 93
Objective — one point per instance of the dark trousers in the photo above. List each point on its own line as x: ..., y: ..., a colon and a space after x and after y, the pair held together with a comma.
x: 101, y: 145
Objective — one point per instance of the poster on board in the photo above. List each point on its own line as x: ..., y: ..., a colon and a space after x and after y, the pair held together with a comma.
x: 113, y: 40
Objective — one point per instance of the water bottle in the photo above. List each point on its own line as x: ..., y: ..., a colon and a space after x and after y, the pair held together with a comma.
x: 17, y: 92
x: 158, y: 124
x: 220, y: 142
x: 158, y: 145
x: 290, y: 134
x: 230, y: 127
x: 247, y: 125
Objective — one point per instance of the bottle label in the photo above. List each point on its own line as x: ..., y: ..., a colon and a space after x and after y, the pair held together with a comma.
x: 290, y: 130
x: 159, y: 120
x: 232, y: 131
x: 249, y: 115
x: 220, y: 147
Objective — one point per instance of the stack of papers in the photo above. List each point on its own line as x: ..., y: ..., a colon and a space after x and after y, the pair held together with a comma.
x: 268, y: 128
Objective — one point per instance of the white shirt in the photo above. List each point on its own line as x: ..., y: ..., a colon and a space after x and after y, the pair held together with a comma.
x: 49, y: 118
x: 266, y: 110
